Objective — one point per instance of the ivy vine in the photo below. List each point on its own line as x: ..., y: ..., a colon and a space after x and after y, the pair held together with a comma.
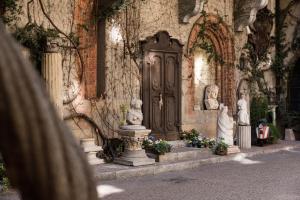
x: 206, y: 45
x: 108, y: 11
x: 35, y: 38
x: 10, y: 11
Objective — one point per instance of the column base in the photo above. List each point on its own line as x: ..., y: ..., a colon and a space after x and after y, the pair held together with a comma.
x: 134, y: 158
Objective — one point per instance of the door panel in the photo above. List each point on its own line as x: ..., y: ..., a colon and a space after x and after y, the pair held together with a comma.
x: 171, y: 92
x: 157, y: 85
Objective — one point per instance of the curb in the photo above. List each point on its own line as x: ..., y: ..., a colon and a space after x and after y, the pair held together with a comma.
x: 182, y: 165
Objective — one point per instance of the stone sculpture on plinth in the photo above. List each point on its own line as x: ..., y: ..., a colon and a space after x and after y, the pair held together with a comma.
x: 211, y: 95
x: 225, y: 129
x: 243, y: 116
x: 244, y: 128
x: 134, y: 116
x: 133, y: 136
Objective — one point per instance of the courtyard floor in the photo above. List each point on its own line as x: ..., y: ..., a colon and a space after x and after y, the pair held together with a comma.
x: 270, y: 172
x: 274, y: 176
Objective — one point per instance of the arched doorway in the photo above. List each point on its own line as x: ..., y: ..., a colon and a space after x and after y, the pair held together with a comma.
x: 219, y: 35
x: 294, y: 89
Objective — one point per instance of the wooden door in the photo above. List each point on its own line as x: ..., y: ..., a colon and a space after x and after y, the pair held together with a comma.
x: 162, y: 86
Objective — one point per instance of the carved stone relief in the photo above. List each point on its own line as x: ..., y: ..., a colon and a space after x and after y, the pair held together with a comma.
x: 246, y: 11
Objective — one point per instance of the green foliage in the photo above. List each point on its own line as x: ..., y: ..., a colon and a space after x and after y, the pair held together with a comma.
x: 221, y: 148
x: 191, y: 135
x: 12, y: 10
x: 274, y: 134
x: 206, y: 45
x: 116, y: 7
x: 161, y: 147
x: 194, y: 139
x: 4, y: 182
x: 147, y: 144
x: 259, y: 108
x: 35, y: 38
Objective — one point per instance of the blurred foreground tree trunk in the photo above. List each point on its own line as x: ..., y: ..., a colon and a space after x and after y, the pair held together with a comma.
x: 42, y: 158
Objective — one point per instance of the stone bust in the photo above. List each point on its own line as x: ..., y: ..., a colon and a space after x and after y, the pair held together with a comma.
x: 135, y: 115
x: 243, y: 116
x: 225, y: 126
x: 211, y: 95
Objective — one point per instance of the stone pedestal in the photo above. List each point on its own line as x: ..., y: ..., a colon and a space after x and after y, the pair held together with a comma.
x: 233, y: 149
x: 244, y: 137
x: 53, y: 76
x: 134, y: 155
x: 289, y: 135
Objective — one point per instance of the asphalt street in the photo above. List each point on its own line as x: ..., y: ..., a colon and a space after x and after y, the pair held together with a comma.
x: 266, y: 177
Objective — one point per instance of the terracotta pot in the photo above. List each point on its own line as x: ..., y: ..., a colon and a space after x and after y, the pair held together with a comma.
x: 221, y: 152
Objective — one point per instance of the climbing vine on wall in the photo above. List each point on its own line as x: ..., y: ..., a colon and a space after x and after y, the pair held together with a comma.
x: 204, y: 44
x: 10, y: 11
x: 35, y: 37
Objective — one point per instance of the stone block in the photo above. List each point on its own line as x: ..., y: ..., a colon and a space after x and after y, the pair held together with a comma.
x: 233, y: 149
x: 289, y: 135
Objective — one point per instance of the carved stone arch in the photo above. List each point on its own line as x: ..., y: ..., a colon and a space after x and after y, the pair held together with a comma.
x: 220, y: 35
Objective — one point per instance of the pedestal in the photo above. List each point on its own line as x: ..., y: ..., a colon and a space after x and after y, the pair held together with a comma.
x: 53, y: 76
x: 134, y: 155
x: 233, y: 149
x: 244, y: 137
x: 289, y: 135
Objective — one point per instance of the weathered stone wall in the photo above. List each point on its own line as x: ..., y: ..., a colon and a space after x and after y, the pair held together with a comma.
x: 136, y: 23
x: 158, y: 15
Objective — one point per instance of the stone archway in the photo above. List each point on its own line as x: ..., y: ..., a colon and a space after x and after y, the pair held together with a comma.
x: 219, y: 34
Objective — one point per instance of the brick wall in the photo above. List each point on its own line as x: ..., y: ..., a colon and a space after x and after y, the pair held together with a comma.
x: 87, y: 32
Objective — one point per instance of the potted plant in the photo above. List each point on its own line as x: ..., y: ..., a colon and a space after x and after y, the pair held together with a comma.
x: 221, y: 148
x: 161, y: 147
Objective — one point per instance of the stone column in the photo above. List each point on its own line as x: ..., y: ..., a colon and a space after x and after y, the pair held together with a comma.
x: 134, y: 155
x: 53, y: 76
x: 244, y: 137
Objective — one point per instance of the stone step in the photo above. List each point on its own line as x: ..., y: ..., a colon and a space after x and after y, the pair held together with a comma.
x: 92, y: 149
x: 96, y: 161
x: 91, y: 155
x: 87, y: 142
x: 183, y: 153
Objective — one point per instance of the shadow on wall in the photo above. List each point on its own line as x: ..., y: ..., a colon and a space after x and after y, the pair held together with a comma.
x: 185, y: 7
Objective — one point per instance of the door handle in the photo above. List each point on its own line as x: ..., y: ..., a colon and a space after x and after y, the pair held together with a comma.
x: 161, y: 103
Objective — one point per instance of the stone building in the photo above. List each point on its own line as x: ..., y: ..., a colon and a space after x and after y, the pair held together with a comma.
x: 165, y: 53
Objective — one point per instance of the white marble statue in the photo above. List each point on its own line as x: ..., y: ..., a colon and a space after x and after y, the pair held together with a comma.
x: 243, y: 116
x: 211, y: 95
x: 225, y: 126
x: 134, y: 116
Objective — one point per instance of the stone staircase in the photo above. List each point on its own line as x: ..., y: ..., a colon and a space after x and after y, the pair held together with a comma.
x: 91, y: 150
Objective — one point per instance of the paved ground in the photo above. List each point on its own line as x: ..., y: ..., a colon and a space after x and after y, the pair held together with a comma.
x: 266, y: 177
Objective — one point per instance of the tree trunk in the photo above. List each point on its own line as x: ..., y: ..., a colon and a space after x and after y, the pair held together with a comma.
x: 42, y: 158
